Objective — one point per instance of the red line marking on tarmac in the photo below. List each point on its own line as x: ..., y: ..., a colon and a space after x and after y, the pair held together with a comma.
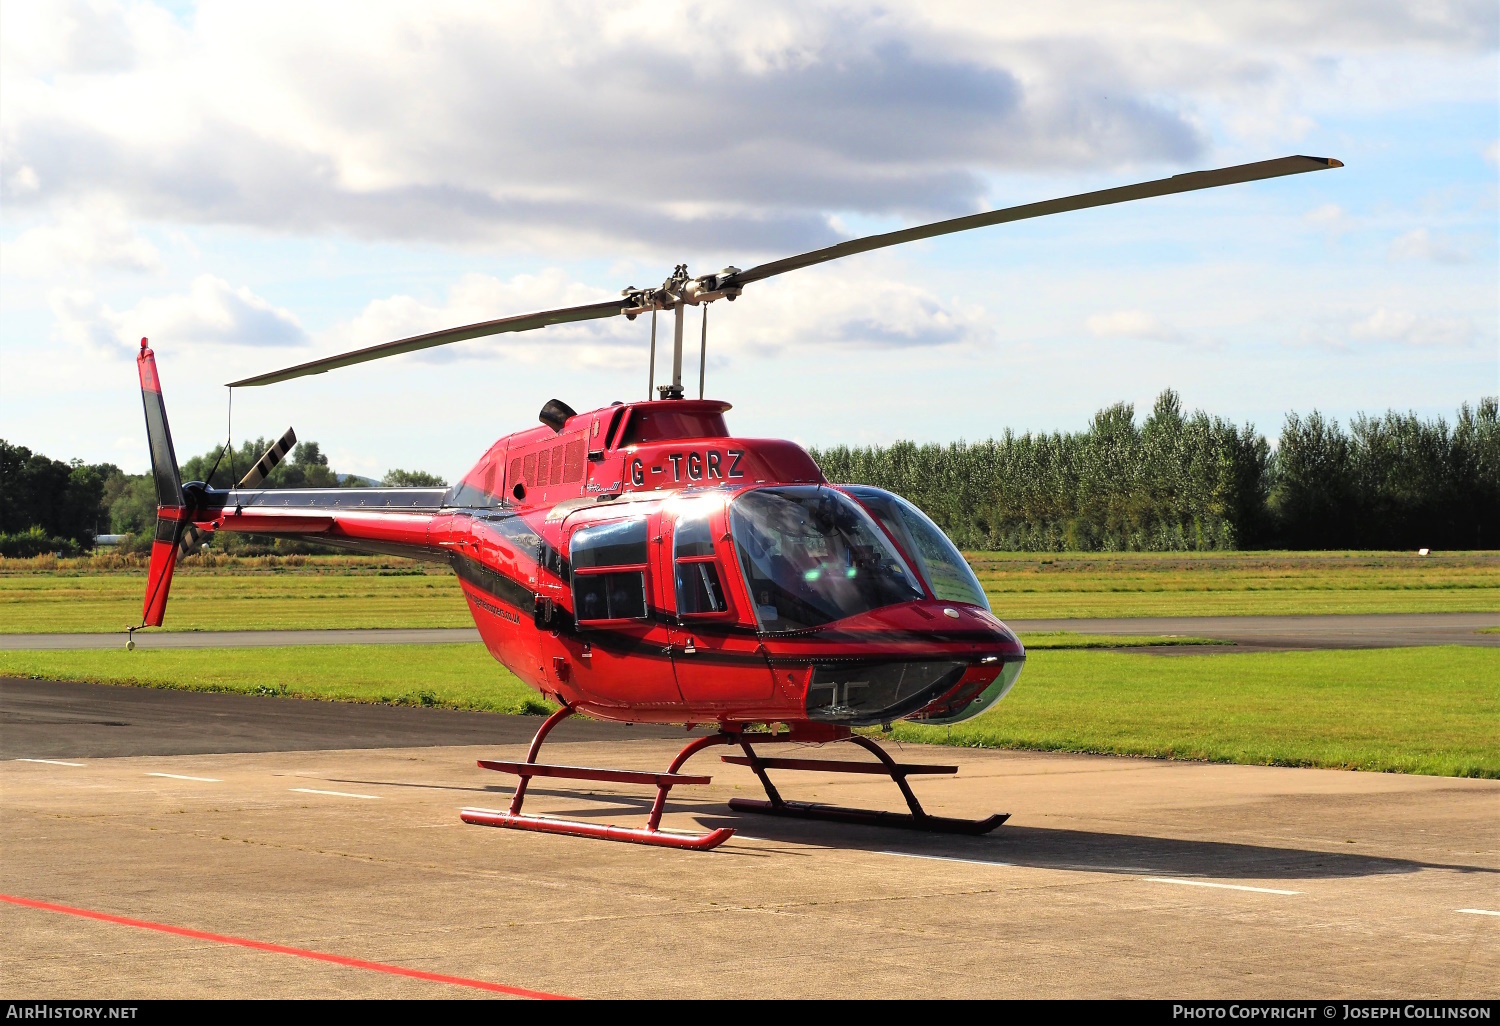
x: 281, y: 949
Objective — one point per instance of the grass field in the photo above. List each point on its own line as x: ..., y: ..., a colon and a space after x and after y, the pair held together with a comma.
x: 1022, y: 585
x: 1053, y: 640
x: 308, y: 598
x: 452, y: 676
x: 1428, y: 710
x: 324, y: 592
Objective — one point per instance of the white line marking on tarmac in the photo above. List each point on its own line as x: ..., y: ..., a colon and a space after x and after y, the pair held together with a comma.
x: 1226, y: 887
x: 179, y: 776
x: 336, y: 794
x: 1478, y: 911
x: 51, y: 762
x: 945, y: 858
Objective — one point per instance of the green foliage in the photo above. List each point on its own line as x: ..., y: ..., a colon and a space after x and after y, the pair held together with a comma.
x: 412, y: 479
x: 61, y: 500
x: 33, y: 542
x: 1174, y: 483
x: 1199, y: 483
x: 1392, y: 482
x: 50, y: 506
x: 305, y: 467
x: 133, y: 510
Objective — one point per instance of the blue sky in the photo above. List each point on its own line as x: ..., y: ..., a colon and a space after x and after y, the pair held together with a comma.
x: 255, y: 185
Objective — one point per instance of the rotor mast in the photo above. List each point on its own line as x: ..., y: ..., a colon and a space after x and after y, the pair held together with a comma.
x: 678, y: 293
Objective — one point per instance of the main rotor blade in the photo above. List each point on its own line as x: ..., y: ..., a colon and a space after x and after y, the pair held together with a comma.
x: 1189, y: 182
x: 524, y: 322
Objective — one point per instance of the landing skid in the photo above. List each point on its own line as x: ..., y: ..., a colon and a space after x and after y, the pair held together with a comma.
x: 917, y: 819
x: 870, y: 817
x: 548, y: 825
x: 651, y: 834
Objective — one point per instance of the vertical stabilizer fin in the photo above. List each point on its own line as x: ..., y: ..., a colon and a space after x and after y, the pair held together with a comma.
x: 171, y: 506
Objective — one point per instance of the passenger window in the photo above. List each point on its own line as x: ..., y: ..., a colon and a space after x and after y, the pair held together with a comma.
x: 700, y: 589
x: 614, y: 426
x: 609, y: 572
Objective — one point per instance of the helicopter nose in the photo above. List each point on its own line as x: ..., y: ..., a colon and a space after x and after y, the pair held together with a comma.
x: 951, y: 629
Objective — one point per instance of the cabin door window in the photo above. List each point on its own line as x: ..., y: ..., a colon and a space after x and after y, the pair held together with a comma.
x: 609, y: 573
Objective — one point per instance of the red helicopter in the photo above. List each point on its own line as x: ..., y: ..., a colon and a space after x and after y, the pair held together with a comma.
x: 640, y: 563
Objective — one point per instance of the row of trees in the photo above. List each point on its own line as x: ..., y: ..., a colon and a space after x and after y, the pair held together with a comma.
x: 50, y: 506
x: 47, y: 505
x: 1172, y: 482
x: 1192, y: 482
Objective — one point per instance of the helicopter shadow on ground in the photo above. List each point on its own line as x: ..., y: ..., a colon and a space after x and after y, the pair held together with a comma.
x: 1034, y: 847
x: 1088, y: 851
x: 1030, y: 847
x: 507, y: 790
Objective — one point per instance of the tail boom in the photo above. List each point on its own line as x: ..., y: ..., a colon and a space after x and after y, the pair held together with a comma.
x: 389, y: 521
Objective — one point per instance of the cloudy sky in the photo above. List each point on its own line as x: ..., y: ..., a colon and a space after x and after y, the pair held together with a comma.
x: 253, y: 185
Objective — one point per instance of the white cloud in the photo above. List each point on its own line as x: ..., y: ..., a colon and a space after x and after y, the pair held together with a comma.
x: 1406, y: 328
x: 817, y: 309
x: 82, y: 321
x: 1327, y: 214
x: 1492, y: 153
x: 24, y: 180
x: 1421, y: 244
x: 1135, y: 324
x: 212, y: 312
x: 843, y: 310
x: 681, y: 123
x: 89, y: 236
x: 1331, y: 218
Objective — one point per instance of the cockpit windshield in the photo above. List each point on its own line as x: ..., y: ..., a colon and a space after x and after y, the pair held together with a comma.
x: 812, y: 556
x: 938, y: 559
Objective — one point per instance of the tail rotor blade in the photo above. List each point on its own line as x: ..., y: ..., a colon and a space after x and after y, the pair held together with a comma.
x: 190, y: 536
x: 158, y: 435
x: 269, y: 461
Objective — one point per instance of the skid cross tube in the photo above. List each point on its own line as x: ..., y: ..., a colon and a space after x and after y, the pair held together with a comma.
x: 918, y: 819
x: 652, y: 834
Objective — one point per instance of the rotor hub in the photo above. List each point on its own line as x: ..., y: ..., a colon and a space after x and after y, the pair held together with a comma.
x: 680, y: 289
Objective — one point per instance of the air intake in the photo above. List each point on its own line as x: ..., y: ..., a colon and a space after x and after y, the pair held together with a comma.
x: 555, y: 414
